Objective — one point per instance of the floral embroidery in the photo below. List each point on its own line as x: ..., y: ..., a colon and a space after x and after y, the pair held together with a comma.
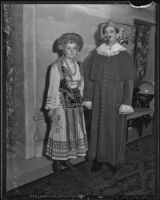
x: 56, y: 123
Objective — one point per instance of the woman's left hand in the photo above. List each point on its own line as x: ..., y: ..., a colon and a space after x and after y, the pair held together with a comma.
x: 88, y: 104
x: 50, y: 112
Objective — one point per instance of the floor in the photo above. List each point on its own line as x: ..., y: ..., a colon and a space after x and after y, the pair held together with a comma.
x: 21, y: 171
x: 135, y: 179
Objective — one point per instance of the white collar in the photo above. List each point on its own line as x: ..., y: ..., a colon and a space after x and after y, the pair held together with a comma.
x: 106, y: 50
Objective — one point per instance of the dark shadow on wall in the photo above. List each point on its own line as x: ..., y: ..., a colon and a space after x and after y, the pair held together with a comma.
x: 86, y: 70
x: 59, y: 53
x: 43, y: 110
x: 97, y: 42
x: 55, y: 49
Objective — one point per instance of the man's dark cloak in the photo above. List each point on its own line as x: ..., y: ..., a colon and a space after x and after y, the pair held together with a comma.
x: 108, y: 84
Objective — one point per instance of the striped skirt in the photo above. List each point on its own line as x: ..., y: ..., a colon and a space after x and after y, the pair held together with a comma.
x: 67, y: 138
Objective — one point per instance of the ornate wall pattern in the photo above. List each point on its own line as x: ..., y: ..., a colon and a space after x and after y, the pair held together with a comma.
x: 142, y: 35
x: 11, y: 124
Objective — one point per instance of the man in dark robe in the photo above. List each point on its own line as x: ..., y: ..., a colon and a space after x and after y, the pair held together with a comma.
x: 109, y: 74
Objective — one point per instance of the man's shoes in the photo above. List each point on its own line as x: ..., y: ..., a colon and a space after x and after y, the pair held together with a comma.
x: 68, y: 164
x: 112, y: 168
x: 119, y: 165
x: 96, y: 167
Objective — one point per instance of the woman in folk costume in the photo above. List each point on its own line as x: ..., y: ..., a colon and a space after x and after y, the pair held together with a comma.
x: 67, y: 139
x: 109, y: 73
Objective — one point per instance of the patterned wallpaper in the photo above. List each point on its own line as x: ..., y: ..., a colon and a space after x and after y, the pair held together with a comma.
x: 11, y: 99
x: 142, y: 36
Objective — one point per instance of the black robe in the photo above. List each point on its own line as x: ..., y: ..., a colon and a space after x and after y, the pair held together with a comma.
x: 108, y: 84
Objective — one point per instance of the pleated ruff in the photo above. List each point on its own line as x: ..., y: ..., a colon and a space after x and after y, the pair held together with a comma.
x: 67, y: 138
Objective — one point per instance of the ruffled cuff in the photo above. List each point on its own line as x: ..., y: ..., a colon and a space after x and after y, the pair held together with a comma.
x: 125, y: 109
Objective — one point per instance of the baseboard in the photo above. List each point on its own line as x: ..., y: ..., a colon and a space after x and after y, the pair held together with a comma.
x: 20, y: 149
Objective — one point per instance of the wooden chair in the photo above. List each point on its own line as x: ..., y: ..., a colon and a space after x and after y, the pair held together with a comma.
x: 138, y: 118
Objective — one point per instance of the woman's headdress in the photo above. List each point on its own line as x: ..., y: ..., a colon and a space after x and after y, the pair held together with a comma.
x: 70, y: 37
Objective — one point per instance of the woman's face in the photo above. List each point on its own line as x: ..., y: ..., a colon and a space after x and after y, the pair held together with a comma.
x: 70, y: 50
x: 110, y: 34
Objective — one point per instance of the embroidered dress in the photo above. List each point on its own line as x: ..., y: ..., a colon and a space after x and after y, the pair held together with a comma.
x: 67, y: 138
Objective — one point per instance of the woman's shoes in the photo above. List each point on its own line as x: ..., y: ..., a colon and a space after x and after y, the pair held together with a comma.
x: 68, y: 164
x: 56, y: 166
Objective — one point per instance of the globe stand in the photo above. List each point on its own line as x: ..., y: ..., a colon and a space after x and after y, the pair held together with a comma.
x: 144, y: 100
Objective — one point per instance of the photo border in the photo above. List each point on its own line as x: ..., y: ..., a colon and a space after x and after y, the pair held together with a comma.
x: 3, y: 108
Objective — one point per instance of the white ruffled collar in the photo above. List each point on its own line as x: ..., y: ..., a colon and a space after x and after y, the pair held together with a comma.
x: 106, y: 50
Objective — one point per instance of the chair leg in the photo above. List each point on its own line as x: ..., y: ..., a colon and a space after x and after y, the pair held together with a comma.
x: 139, y: 125
x: 127, y: 133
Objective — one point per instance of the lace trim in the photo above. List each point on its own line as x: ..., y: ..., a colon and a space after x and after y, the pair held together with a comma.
x: 105, y: 50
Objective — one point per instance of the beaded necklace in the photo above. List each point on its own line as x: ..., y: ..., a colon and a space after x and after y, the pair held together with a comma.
x: 73, y: 73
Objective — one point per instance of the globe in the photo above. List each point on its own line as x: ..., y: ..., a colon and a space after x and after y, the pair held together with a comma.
x: 146, y: 87
x: 145, y: 93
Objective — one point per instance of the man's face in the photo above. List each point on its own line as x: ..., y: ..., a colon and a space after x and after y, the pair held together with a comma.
x: 110, y: 35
